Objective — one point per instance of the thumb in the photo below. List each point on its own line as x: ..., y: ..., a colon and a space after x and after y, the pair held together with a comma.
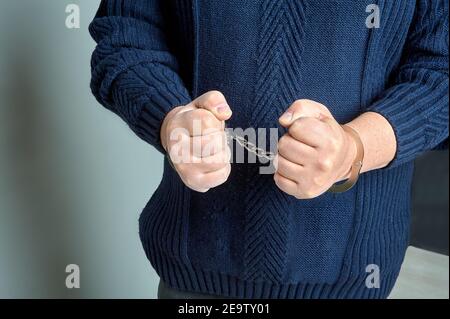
x: 215, y: 102
x: 304, y: 108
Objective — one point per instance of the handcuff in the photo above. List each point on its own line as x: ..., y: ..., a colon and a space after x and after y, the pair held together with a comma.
x: 356, y: 166
x: 336, y: 188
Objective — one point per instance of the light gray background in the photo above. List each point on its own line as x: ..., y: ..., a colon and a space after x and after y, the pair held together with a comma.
x: 73, y: 177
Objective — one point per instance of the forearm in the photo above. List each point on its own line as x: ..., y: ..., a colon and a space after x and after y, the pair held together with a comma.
x: 378, y: 139
x: 134, y: 72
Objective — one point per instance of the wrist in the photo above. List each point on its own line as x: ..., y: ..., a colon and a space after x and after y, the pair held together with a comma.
x: 350, y: 156
x: 163, y: 135
x: 356, y: 165
x: 378, y: 138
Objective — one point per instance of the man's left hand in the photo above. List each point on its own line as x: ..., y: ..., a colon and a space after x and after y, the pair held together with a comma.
x: 315, y: 153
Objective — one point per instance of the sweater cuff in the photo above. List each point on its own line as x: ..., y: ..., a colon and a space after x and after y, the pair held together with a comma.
x: 152, y: 99
x: 153, y: 113
x: 407, y: 125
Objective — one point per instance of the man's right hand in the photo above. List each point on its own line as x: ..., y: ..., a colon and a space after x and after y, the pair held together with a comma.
x: 194, y: 137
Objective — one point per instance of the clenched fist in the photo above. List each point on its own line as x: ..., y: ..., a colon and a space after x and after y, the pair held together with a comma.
x: 194, y: 137
x: 315, y: 153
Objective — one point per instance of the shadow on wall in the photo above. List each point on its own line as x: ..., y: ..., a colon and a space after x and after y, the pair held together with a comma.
x: 45, y: 208
x: 73, y: 178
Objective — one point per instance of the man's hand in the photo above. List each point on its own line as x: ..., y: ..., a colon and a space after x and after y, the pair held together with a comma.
x: 194, y: 136
x: 314, y: 154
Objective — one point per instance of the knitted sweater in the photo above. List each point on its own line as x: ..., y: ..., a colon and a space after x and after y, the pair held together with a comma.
x: 246, y: 238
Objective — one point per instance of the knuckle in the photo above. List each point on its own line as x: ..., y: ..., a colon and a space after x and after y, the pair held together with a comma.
x: 215, y: 95
x: 299, y: 104
x: 282, y: 143
x: 172, y: 127
x: 276, y: 178
x: 181, y: 169
x: 192, y: 119
x: 318, y: 180
x: 308, y: 194
x: 334, y: 144
x: 297, y: 125
x: 226, y: 172
x: 226, y: 156
x: 207, y: 153
x: 279, y: 182
x: 199, y: 114
x: 187, y: 179
x: 209, y: 145
x: 281, y: 164
x: 193, y: 180
x: 325, y: 164
x: 208, y: 120
x: 302, y: 104
x: 282, y: 186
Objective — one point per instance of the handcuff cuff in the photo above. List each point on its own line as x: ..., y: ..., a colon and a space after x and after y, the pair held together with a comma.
x: 355, y: 170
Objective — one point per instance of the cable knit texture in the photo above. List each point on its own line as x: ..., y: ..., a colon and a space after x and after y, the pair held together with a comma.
x: 246, y: 238
x: 279, y: 52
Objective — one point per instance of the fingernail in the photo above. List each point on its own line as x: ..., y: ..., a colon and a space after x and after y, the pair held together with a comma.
x: 222, y: 108
x: 287, y: 116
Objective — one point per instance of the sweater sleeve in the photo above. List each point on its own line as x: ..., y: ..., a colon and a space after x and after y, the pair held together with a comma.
x: 416, y: 104
x: 134, y: 74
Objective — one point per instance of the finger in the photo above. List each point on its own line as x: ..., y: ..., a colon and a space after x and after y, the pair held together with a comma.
x: 179, y: 147
x: 288, y: 169
x: 310, y: 131
x: 200, y: 122
x: 211, y: 163
x: 295, y: 151
x: 208, y: 145
x: 303, y: 108
x: 215, y: 102
x: 203, y: 168
x: 215, y: 178
x: 216, y: 161
x: 286, y: 185
x: 187, y: 108
x: 184, y: 151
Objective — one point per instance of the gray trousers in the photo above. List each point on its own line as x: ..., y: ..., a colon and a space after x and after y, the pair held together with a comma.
x: 165, y: 292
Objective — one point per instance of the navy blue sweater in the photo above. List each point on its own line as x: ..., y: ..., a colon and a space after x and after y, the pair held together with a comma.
x: 246, y: 238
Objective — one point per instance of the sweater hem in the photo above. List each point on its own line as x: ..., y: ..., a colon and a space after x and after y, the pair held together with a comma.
x: 186, y: 277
